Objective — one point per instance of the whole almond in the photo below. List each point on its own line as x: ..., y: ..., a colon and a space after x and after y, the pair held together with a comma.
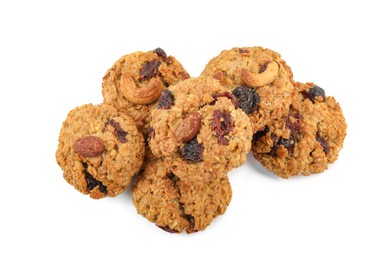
x: 188, y: 128
x: 89, y: 146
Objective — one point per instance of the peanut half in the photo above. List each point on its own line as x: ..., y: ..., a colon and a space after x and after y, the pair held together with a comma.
x: 140, y: 95
x: 89, y: 146
x: 188, y: 128
x: 258, y: 80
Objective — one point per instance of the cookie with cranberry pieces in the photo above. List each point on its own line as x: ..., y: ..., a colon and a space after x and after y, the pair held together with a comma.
x: 99, y: 150
x: 198, y: 128
x: 260, y: 80
x: 308, y: 139
x: 135, y: 82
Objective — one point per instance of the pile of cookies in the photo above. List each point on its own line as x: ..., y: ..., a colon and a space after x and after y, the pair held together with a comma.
x: 174, y: 138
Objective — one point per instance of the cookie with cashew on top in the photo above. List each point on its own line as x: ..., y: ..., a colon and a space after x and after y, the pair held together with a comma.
x: 136, y: 80
x: 99, y: 150
x: 307, y: 139
x: 260, y: 80
x: 198, y: 128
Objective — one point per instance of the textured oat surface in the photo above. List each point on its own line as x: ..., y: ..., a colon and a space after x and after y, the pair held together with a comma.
x: 275, y: 96
x: 109, y: 173
x: 115, y: 90
x: 176, y: 205
x: 196, y: 95
x: 307, y: 140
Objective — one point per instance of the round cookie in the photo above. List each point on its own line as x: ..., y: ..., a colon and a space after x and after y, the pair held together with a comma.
x: 261, y: 81
x: 99, y: 150
x: 176, y: 205
x: 136, y: 80
x: 307, y: 140
x: 197, y: 127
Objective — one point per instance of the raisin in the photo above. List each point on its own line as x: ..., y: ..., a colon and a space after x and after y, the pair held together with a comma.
x: 222, y: 125
x: 323, y: 142
x: 150, y: 69
x: 92, y: 182
x: 192, y: 151
x: 247, y: 99
x: 167, y: 229
x: 227, y: 95
x: 314, y: 92
x: 161, y: 53
x: 166, y: 99
x: 150, y: 134
x: 119, y: 132
x: 243, y: 51
x: 259, y: 134
x: 287, y: 143
x: 263, y: 67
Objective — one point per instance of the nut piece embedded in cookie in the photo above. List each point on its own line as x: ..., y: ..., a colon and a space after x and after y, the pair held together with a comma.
x: 188, y: 128
x: 89, y: 146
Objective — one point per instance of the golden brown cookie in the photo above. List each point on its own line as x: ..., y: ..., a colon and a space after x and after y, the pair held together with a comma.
x: 260, y: 80
x: 135, y: 82
x: 176, y: 205
x: 307, y: 140
x: 99, y: 150
x: 197, y: 127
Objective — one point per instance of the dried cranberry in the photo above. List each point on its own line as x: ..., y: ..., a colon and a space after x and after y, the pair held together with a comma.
x: 166, y: 99
x: 92, y: 183
x: 314, y: 92
x: 247, y: 99
x: 323, y: 142
x: 119, y: 132
x: 161, y: 53
x: 222, y: 125
x: 192, y: 151
x: 227, y: 95
x: 293, y: 126
x: 259, y: 134
x: 150, y: 69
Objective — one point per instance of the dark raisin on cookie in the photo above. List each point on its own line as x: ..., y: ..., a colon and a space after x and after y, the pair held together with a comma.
x: 192, y: 151
x: 167, y: 229
x: 247, y: 99
x: 161, y: 53
x: 259, y: 134
x: 263, y: 67
x: 222, y: 125
x: 149, y: 69
x: 92, y: 182
x: 323, y: 143
x: 119, y: 132
x: 227, y: 95
x: 314, y: 92
x: 166, y: 99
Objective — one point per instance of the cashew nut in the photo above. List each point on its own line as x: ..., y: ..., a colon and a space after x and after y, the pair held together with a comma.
x: 258, y: 80
x: 140, y: 95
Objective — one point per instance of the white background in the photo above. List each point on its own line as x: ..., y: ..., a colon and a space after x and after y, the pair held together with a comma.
x: 53, y: 56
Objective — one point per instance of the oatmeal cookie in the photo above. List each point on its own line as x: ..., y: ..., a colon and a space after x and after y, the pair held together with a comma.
x: 135, y: 82
x: 99, y: 150
x: 176, y: 205
x: 197, y: 127
x: 307, y: 140
x: 261, y: 81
